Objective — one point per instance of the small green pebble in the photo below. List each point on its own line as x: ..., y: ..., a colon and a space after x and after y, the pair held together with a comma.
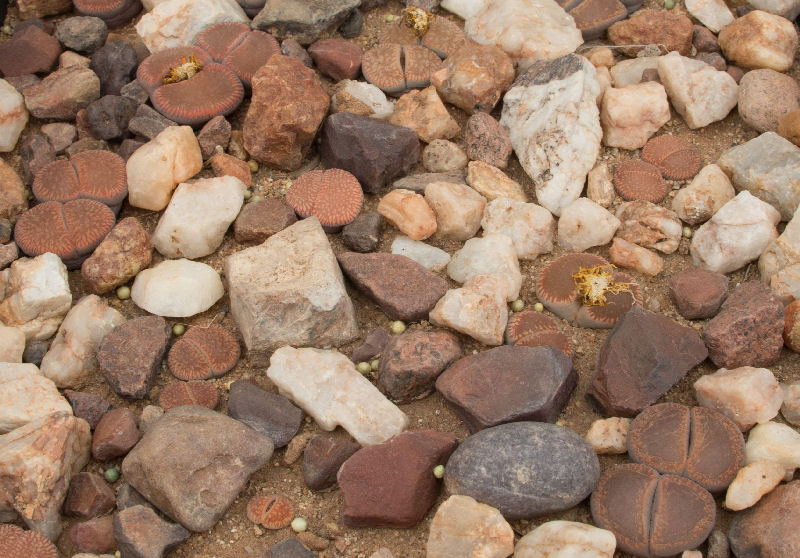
x: 299, y: 524
x: 256, y: 198
x: 7, y: 29
x: 669, y: 4
x: 390, y: 18
x: 118, y: 554
x: 364, y: 367
x: 687, y: 232
x: 517, y: 305
x: 375, y: 364
x: 178, y: 330
x: 253, y: 165
x: 398, y: 326
x: 539, y: 307
x: 248, y: 194
x: 438, y: 471
x: 124, y: 292
x: 111, y: 475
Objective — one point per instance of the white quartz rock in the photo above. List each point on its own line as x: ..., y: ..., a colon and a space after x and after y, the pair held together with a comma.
x: 737, y: 234
x: 752, y: 482
x: 529, y: 226
x: 791, y: 403
x: 774, y: 442
x: 629, y: 72
x: 458, y: 209
x: 177, y: 288
x: 199, y: 213
x: 13, y: 116
x: 567, y: 539
x: 599, y: 187
x: 492, y: 254
x: 327, y: 386
x: 477, y: 309
x: 12, y: 344
x: 465, y: 528
x: 584, y: 224
x: 464, y: 8
x: 609, y: 436
x: 26, y: 396
x: 788, y: 9
x: 709, y: 190
x: 365, y: 93
x: 779, y: 265
x: 428, y: 256
x: 71, y: 358
x: 746, y: 395
x: 630, y: 115
x: 714, y: 14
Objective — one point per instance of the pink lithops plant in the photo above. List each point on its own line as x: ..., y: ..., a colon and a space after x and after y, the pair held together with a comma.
x: 675, y: 157
x: 640, y: 180
x: 16, y: 542
x: 203, y: 353
x: 114, y: 12
x: 333, y: 196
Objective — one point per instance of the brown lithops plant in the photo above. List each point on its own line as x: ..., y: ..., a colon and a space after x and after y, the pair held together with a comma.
x: 525, y: 323
x: 203, y: 353
x: 238, y: 47
x: 113, y: 12
x: 675, y: 157
x: 556, y: 339
x: 270, y: 510
x: 396, y: 68
x: 443, y: 37
x: 18, y: 543
x: 640, y: 180
x: 556, y: 288
x: 333, y: 196
x: 218, y: 39
x: 176, y: 394
x: 420, y: 63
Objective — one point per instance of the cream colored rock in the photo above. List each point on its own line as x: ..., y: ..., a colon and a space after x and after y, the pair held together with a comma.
x: 691, y: 554
x: 599, y: 187
x: 714, y: 14
x: 630, y: 115
x: 71, y: 358
x: 759, y: 40
x: 629, y: 72
x: 567, y: 539
x: 424, y: 112
x: 779, y: 265
x: 529, y: 226
x: 746, y: 395
x: 465, y: 528
x: 428, y: 256
x: 603, y: 76
x: 649, y: 225
x: 477, y: 309
x: 177, y: 288
x: 327, y: 386
x: 458, y: 209
x: 13, y: 116
x: 154, y: 169
x: 601, y: 56
x: 752, y: 482
x: 464, y: 8
x: 609, y: 436
x: 37, y: 296
x: 791, y: 403
x: 584, y: 224
x: 709, y: 190
x: 12, y: 344
x: 27, y: 396
x: 491, y: 254
x: 360, y: 97
x: 492, y: 183
x: 777, y: 442
x: 789, y: 9
x: 632, y: 256
x: 69, y: 58
x: 443, y: 156
x: 409, y: 212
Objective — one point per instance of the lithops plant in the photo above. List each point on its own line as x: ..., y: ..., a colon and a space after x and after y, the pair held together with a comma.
x: 16, y: 542
x: 114, y: 12
x: 639, y: 180
x: 203, y: 353
x: 333, y: 196
x: 676, y: 158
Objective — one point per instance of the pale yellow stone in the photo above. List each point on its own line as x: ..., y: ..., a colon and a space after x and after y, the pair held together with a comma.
x: 609, y: 436
x: 752, y: 482
x: 458, y: 209
x: 409, y: 212
x: 465, y: 528
x: 492, y: 183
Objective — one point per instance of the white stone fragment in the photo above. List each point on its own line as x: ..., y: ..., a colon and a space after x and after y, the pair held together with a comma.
x: 629, y: 72
x: 365, y: 93
x: 428, y: 256
x: 791, y: 403
x: 492, y: 254
x: 464, y: 8
x: 465, y: 528
x: 788, y: 9
x: 599, y: 187
x: 746, y: 395
x: 752, y: 482
x: 327, y: 386
x: 584, y: 224
x: 709, y: 190
x: 529, y: 226
x: 477, y: 309
x: 197, y: 217
x: 177, y: 288
x: 71, y: 358
x: 492, y: 183
x: 567, y: 539
x: 13, y: 116
x: 12, y: 344
x: 773, y: 441
x: 630, y: 115
x: 26, y: 395
x: 714, y: 14
x: 632, y: 256
x: 737, y: 234
x: 458, y: 209
x: 691, y: 554
x: 779, y: 265
x: 609, y: 436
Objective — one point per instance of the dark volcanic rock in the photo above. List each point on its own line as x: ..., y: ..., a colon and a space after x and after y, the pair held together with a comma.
x: 140, y: 533
x: 769, y: 530
x: 303, y: 20
x: 109, y: 116
x: 269, y: 414
x: 81, y: 34
x: 364, y: 233
x: 323, y: 456
x: 290, y: 548
x: 114, y: 63
x: 698, y: 293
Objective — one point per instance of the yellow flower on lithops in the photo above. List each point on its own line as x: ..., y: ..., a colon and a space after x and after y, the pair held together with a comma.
x: 417, y: 18
x: 594, y: 283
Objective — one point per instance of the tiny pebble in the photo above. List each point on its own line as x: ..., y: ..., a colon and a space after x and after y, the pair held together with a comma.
x: 299, y: 524
x: 256, y: 198
x: 124, y: 292
x: 438, y: 471
x: 390, y: 18
x: 375, y: 364
x: 178, y: 330
x: 517, y: 305
x: 118, y: 554
x: 7, y: 29
x: 111, y: 475
x: 669, y: 4
x: 364, y: 367
x: 398, y: 326
x: 687, y: 232
x: 247, y: 194
x: 218, y: 149
x: 539, y: 307
x: 253, y: 165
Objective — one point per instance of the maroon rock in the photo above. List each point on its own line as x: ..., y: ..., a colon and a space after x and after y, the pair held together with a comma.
x: 704, y: 40
x: 508, y: 384
x: 95, y: 536
x: 89, y: 496
x: 411, y: 362
x: 227, y: 165
x: 267, y: 413
x: 37, y: 153
x: 697, y: 293
x: 713, y: 59
x: 30, y: 51
x: 127, y: 148
x: 216, y: 131
x: 769, y: 530
x: 259, y: 220
x: 115, y: 64
x: 130, y: 355
x: 115, y: 435
x: 748, y: 331
x: 364, y: 233
x: 336, y: 58
x: 401, y: 287
x: 323, y: 457
x: 88, y: 406
x: 139, y: 532
x: 644, y: 355
x: 372, y: 346
x: 646, y: 27
x: 392, y: 484
x: 486, y: 140
x: 290, y: 47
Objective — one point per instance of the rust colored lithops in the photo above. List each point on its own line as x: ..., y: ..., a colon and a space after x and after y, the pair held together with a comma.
x: 556, y: 288
x: 176, y: 394
x: 113, y: 12
x: 526, y: 323
x: 17, y: 543
x: 675, y: 157
x: 556, y: 339
x: 203, y: 353
x: 640, y: 180
x: 396, y: 68
x: 238, y: 47
x: 270, y: 510
x: 333, y: 196
x: 152, y: 70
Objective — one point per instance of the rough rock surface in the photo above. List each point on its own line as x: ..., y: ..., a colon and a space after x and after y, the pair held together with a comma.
x: 27, y: 396
x: 769, y: 529
x: 467, y: 528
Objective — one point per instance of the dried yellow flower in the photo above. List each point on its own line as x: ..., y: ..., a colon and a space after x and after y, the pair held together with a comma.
x: 183, y: 71
x: 594, y: 283
x: 417, y: 18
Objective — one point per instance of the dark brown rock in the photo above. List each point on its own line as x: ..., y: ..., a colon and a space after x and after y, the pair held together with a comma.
x: 109, y: 116
x: 89, y: 496
x: 120, y: 256
x: 650, y: 74
x: 736, y: 73
x: 86, y: 144
x: 515, y: 384
x: 372, y: 346
x: 140, y: 533
x: 114, y: 63
x: 323, y: 457
x: 290, y: 47
x: 644, y: 355
x: 148, y: 122
x: 95, y: 536
x: 269, y: 414
x: 21, y: 82
x: 227, y: 165
x: 713, y: 59
x: 748, y: 331
x: 411, y: 362
x: 486, y: 140
x: 769, y: 530
x: 128, y: 147
x: 645, y: 27
x: 401, y: 287
x: 392, y: 484
x: 593, y: 17
x: 88, y: 406
x: 697, y: 293
x: 30, y: 51
x: 290, y: 548
x: 36, y: 153
x: 115, y: 435
x: 127, y: 497
x: 216, y: 131
x: 364, y: 233
x: 130, y: 355
x: 336, y: 58
x: 259, y: 220
x: 703, y: 39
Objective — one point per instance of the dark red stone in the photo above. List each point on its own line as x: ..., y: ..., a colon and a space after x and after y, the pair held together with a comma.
x: 486, y: 140
x: 88, y: 406
x: 95, y: 535
x: 89, y: 496
x: 115, y: 435
x: 29, y: 51
x: 698, y: 293
x: 323, y: 456
x: 336, y: 58
x: 259, y: 220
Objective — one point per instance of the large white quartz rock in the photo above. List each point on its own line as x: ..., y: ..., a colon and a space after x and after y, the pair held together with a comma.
x: 567, y: 539
x: 779, y: 265
x: 699, y: 92
x: 708, y: 191
x: 37, y: 295
x: 629, y: 72
x: 71, y: 358
x: 175, y: 23
x: 458, y: 209
x: 13, y: 116
x: 428, y: 256
x: 492, y: 254
x: 584, y: 224
x: 12, y: 344
x: 177, y: 288
x: 154, y: 169
x: 746, y: 395
x: 552, y: 119
x: 788, y: 9
x: 631, y: 114
x: 465, y: 528
x: 477, y: 309
x: 752, y: 482
x: 714, y: 14
x: 464, y: 8
x: 774, y: 441
x: 529, y: 226
x: 327, y: 386
x: 26, y: 395
x: 737, y: 234
x: 199, y: 213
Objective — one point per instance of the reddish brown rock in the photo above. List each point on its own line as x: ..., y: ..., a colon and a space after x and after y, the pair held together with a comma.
x: 748, y: 331
x: 323, y: 456
x: 336, y: 58
x: 227, y: 165
x: 411, y: 362
x: 120, y: 256
x: 30, y: 51
x: 140, y: 532
x: 363, y: 234
x: 95, y: 536
x: 88, y: 406
x: 791, y: 327
x: 703, y: 39
x: 269, y: 414
x: 41, y: 8
x: 259, y: 220
x: 769, y: 530
x: 115, y: 435
x: 89, y: 496
x: 645, y: 27
x: 286, y: 110
x: 37, y: 153
x: 216, y: 131
x: 697, y: 293
x: 13, y: 201
x: 372, y: 346
x: 392, y: 484
x: 63, y: 93
x: 486, y: 140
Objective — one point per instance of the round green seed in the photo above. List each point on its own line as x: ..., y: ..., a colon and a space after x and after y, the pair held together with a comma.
x: 299, y: 524
x: 111, y: 475
x: 7, y: 29
x: 669, y: 4
x: 248, y: 194
x: 364, y: 367
x: 398, y: 326
x: 256, y: 198
x: 124, y: 292
x: 253, y: 165
x: 687, y: 232
x: 438, y: 471
x: 390, y: 18
x: 375, y: 364
x: 517, y: 305
x: 539, y: 307
x: 178, y: 330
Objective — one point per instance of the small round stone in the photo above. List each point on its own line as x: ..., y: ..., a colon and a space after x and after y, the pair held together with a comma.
x: 686, y: 232
x: 178, y: 330
x: 256, y: 198
x: 538, y: 307
x: 517, y: 305
x: 248, y: 194
x: 124, y: 292
x: 270, y: 510
x: 669, y: 4
x: 364, y: 367
x: 438, y: 471
x: 375, y: 364
x: 398, y: 326
x: 111, y: 475
x: 299, y: 524
x: 253, y: 164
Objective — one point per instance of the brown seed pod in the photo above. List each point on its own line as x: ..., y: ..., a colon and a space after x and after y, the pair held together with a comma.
x: 203, y: 353
x: 556, y: 339
x: 556, y: 288
x: 114, y: 12
x: 525, y: 323
x: 176, y: 394
x: 17, y: 543
x: 270, y: 510
x: 333, y: 196
x: 640, y: 180
x: 675, y: 157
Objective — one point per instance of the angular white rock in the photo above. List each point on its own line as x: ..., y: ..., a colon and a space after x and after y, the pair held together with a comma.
x: 477, y: 309
x: 629, y: 72
x: 631, y: 114
x: 428, y: 256
x: 464, y: 8
x: 566, y: 538
x: 555, y: 127
x: 71, y: 358
x: 791, y: 403
x: 737, y: 234
x: 458, y: 209
x: 609, y: 436
x: 714, y: 14
x: 175, y: 23
x: 699, y: 92
x: 650, y: 225
x: 529, y: 226
x: 154, y: 169
x: 465, y: 528
x: 13, y: 116
x: 37, y: 296
x: 752, y: 482
x: 26, y: 396
x: 773, y: 441
x: 492, y: 183
x: 492, y: 254
x: 199, y: 213
x: 177, y: 288
x: 746, y: 395
x: 365, y: 93
x: 327, y: 386
x: 788, y: 9
x: 599, y: 187
x: 709, y: 190
x: 12, y: 344
x: 779, y: 265
x: 584, y: 224
x: 632, y: 256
